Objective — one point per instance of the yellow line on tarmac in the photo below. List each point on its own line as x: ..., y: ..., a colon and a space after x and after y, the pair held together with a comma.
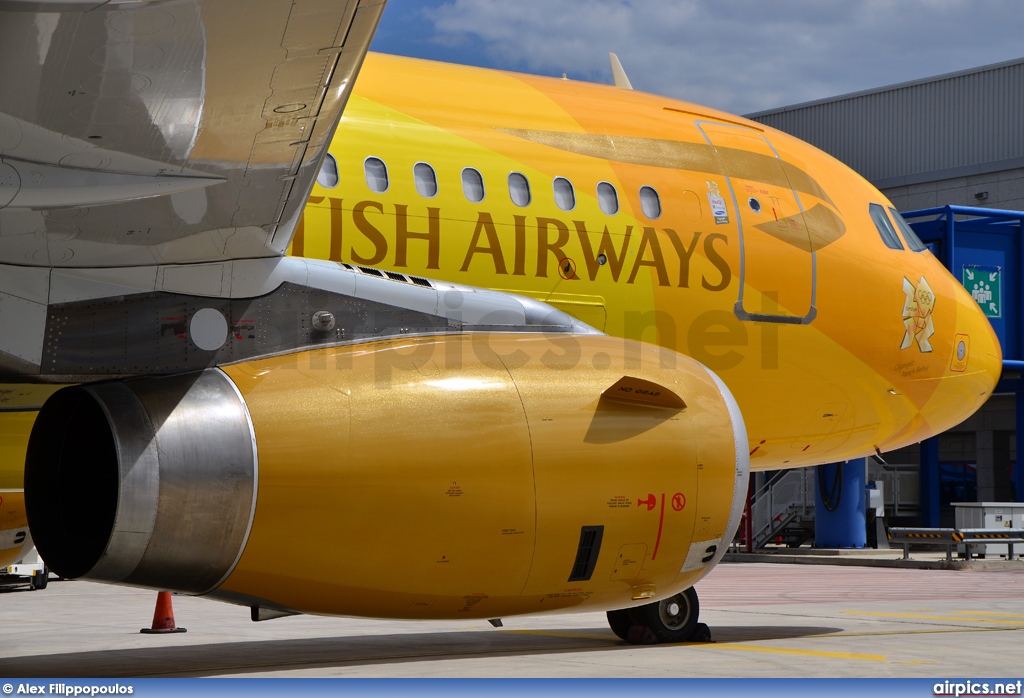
x: 928, y: 631
x: 987, y: 613
x: 924, y: 617
x: 801, y: 653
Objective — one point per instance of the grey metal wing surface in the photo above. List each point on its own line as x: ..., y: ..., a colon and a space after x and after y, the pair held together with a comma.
x: 155, y: 158
x: 158, y: 132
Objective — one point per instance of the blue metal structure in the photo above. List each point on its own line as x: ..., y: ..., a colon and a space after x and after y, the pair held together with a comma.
x: 840, y: 501
x: 979, y: 242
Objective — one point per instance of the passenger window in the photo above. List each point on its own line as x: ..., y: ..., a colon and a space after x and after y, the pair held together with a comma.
x: 376, y: 175
x: 885, y: 228
x: 519, y: 189
x: 650, y: 202
x: 607, y: 198
x: 328, y: 177
x: 426, y: 180
x: 913, y: 242
x: 473, y: 185
x: 565, y: 195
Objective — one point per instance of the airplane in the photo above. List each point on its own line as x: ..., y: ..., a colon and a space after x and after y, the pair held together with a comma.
x: 466, y: 343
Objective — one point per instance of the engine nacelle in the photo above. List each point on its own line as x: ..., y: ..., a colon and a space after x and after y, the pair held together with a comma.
x: 473, y: 476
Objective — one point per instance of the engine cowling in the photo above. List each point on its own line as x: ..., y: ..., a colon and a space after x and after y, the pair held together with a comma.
x: 436, y: 477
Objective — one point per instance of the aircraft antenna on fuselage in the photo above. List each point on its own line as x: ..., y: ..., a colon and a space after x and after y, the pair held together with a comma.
x: 619, y: 74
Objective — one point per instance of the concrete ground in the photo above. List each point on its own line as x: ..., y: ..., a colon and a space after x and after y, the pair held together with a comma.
x: 768, y: 620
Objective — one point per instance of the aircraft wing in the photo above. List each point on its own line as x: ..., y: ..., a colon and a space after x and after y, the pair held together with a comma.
x: 167, y: 131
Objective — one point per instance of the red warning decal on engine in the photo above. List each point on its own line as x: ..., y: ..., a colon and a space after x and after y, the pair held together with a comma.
x: 679, y: 501
x: 661, y: 524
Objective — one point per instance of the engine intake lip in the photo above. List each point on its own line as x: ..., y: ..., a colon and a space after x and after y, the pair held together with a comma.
x: 149, y: 482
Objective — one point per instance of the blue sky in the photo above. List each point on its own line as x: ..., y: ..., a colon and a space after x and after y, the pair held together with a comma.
x: 408, y: 30
x: 737, y: 55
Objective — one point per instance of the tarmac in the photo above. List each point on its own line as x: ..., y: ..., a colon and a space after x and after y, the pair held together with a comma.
x: 857, y: 614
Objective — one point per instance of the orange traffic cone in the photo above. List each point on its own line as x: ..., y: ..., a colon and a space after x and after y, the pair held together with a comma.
x: 163, y: 616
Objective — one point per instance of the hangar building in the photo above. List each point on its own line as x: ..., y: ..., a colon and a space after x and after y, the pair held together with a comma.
x: 954, y: 139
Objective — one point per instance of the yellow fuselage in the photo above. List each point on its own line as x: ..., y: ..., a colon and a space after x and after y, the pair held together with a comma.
x: 791, y: 296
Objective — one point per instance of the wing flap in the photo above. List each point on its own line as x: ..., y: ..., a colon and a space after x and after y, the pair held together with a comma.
x: 36, y: 186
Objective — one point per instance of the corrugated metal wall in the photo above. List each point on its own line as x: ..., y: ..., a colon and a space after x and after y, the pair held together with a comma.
x: 953, y: 121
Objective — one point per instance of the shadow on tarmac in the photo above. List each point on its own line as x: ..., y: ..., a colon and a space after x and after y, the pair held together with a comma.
x: 282, y: 655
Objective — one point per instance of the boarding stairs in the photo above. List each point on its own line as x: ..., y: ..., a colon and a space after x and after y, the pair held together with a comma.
x: 782, y: 510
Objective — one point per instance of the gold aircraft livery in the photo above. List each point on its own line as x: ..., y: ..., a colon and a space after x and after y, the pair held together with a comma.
x: 467, y: 343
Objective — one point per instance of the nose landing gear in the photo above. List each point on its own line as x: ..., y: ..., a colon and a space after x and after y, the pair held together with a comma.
x: 670, y: 620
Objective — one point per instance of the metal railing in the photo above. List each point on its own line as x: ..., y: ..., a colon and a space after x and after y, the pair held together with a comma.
x: 786, y: 496
x: 902, y: 488
x: 938, y: 537
x: 992, y: 536
x: 949, y: 537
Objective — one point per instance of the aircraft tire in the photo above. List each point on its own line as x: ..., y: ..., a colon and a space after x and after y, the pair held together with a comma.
x: 620, y: 622
x: 671, y: 620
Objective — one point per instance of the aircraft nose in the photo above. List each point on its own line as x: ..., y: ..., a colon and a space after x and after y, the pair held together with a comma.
x: 977, y: 354
x: 969, y: 360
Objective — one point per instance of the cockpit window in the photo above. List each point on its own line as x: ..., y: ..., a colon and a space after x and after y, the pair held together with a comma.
x: 885, y: 228
x: 913, y: 242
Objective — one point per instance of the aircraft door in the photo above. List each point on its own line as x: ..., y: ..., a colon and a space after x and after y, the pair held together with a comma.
x: 777, y: 262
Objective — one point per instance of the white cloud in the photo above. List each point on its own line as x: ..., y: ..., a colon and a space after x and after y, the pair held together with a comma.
x: 739, y: 55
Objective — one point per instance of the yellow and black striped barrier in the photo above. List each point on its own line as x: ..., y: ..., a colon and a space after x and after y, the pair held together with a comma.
x: 985, y: 535
x: 955, y: 536
x: 1009, y: 536
x: 945, y: 537
x: 948, y: 537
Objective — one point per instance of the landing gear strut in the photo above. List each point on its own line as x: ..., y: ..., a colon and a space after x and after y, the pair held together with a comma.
x: 671, y: 620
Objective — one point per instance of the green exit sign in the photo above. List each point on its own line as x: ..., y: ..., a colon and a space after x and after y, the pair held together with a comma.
x: 985, y: 284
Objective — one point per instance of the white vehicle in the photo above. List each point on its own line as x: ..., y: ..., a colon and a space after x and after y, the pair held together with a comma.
x: 30, y: 570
